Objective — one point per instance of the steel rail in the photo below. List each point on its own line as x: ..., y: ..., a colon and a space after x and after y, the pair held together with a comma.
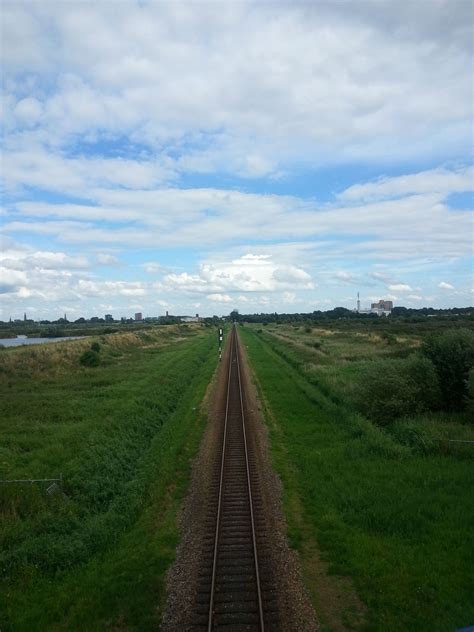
x: 254, y: 539
x: 219, y: 504
x: 234, y: 349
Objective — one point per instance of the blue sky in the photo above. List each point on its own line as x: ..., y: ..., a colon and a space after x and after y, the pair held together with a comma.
x: 200, y: 157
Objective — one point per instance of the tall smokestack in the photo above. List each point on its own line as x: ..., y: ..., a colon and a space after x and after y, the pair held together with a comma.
x: 358, y: 303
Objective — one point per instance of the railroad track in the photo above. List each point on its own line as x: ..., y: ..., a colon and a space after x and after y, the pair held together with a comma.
x: 235, y: 588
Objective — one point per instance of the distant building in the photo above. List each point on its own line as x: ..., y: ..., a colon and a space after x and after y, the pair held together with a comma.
x: 190, y: 319
x: 381, y: 308
x: 138, y: 316
x: 386, y: 306
x: 109, y: 318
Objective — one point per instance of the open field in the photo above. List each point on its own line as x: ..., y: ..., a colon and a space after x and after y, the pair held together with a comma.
x: 389, y: 508
x: 381, y: 512
x: 94, y: 556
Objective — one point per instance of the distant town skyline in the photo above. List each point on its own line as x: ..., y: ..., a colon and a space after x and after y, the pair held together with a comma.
x: 258, y: 156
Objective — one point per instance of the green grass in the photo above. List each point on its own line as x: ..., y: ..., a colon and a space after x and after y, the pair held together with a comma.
x: 122, y: 434
x: 394, y: 517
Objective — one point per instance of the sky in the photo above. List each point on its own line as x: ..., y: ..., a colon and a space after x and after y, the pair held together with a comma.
x: 199, y: 157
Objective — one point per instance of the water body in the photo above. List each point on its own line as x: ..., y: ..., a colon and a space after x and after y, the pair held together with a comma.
x: 24, y: 340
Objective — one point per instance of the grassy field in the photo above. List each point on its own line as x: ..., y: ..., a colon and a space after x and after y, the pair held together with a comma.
x: 390, y: 508
x: 93, y: 556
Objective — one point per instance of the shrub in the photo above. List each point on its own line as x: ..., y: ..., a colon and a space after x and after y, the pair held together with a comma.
x: 452, y: 354
x: 470, y: 395
x: 95, y: 346
x: 388, y: 338
x: 388, y: 389
x: 90, y: 358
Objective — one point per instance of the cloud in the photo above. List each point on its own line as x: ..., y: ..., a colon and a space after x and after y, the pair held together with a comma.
x: 394, y: 228
x: 400, y: 287
x: 37, y: 166
x: 178, y: 133
x: 107, y: 260
x: 219, y: 298
x: 152, y: 267
x: 28, y: 111
x: 442, y: 181
x: 445, y: 286
x: 293, y: 275
x: 11, y: 280
x: 86, y: 288
x: 289, y: 297
x: 255, y: 112
x: 250, y: 273
x: 44, y: 260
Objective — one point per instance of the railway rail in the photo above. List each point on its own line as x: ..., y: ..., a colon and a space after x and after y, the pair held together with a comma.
x: 235, y: 587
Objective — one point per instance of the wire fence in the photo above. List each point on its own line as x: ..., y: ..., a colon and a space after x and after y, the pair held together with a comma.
x: 33, y: 480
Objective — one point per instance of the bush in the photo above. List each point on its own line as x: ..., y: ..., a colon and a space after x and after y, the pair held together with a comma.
x: 388, y: 338
x: 470, y: 395
x: 388, y: 389
x: 90, y: 358
x: 452, y: 354
x: 95, y: 346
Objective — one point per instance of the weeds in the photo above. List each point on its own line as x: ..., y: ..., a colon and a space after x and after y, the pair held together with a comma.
x: 122, y: 436
x: 392, y: 507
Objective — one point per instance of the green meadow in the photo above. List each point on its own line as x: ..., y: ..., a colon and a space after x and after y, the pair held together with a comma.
x: 386, y: 506
x: 93, y: 555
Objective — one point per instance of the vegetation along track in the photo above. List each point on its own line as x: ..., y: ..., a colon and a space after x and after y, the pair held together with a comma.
x: 235, y: 587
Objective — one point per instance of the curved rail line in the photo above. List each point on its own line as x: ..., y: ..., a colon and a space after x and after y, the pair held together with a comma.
x: 235, y: 596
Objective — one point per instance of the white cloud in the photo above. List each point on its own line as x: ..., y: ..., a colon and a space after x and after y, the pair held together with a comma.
x: 11, y: 280
x: 442, y: 181
x: 107, y: 260
x: 109, y: 288
x: 250, y: 273
x: 108, y: 109
x: 392, y: 228
x: 35, y: 166
x: 219, y: 298
x: 28, y: 111
x: 243, y: 107
x: 445, y: 286
x: 400, y: 287
x: 289, y: 297
x: 43, y: 260
x: 152, y: 267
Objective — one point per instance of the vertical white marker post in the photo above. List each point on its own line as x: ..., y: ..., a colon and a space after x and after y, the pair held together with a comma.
x: 221, y: 337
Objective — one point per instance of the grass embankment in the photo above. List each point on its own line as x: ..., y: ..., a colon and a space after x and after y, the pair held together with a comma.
x: 383, y: 510
x: 121, y: 434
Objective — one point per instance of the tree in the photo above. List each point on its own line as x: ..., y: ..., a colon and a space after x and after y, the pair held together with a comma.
x: 387, y: 389
x: 90, y: 358
x: 452, y: 354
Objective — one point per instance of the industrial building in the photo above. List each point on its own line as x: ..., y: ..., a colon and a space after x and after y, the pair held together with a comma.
x: 381, y: 308
x: 386, y: 306
x: 190, y: 319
